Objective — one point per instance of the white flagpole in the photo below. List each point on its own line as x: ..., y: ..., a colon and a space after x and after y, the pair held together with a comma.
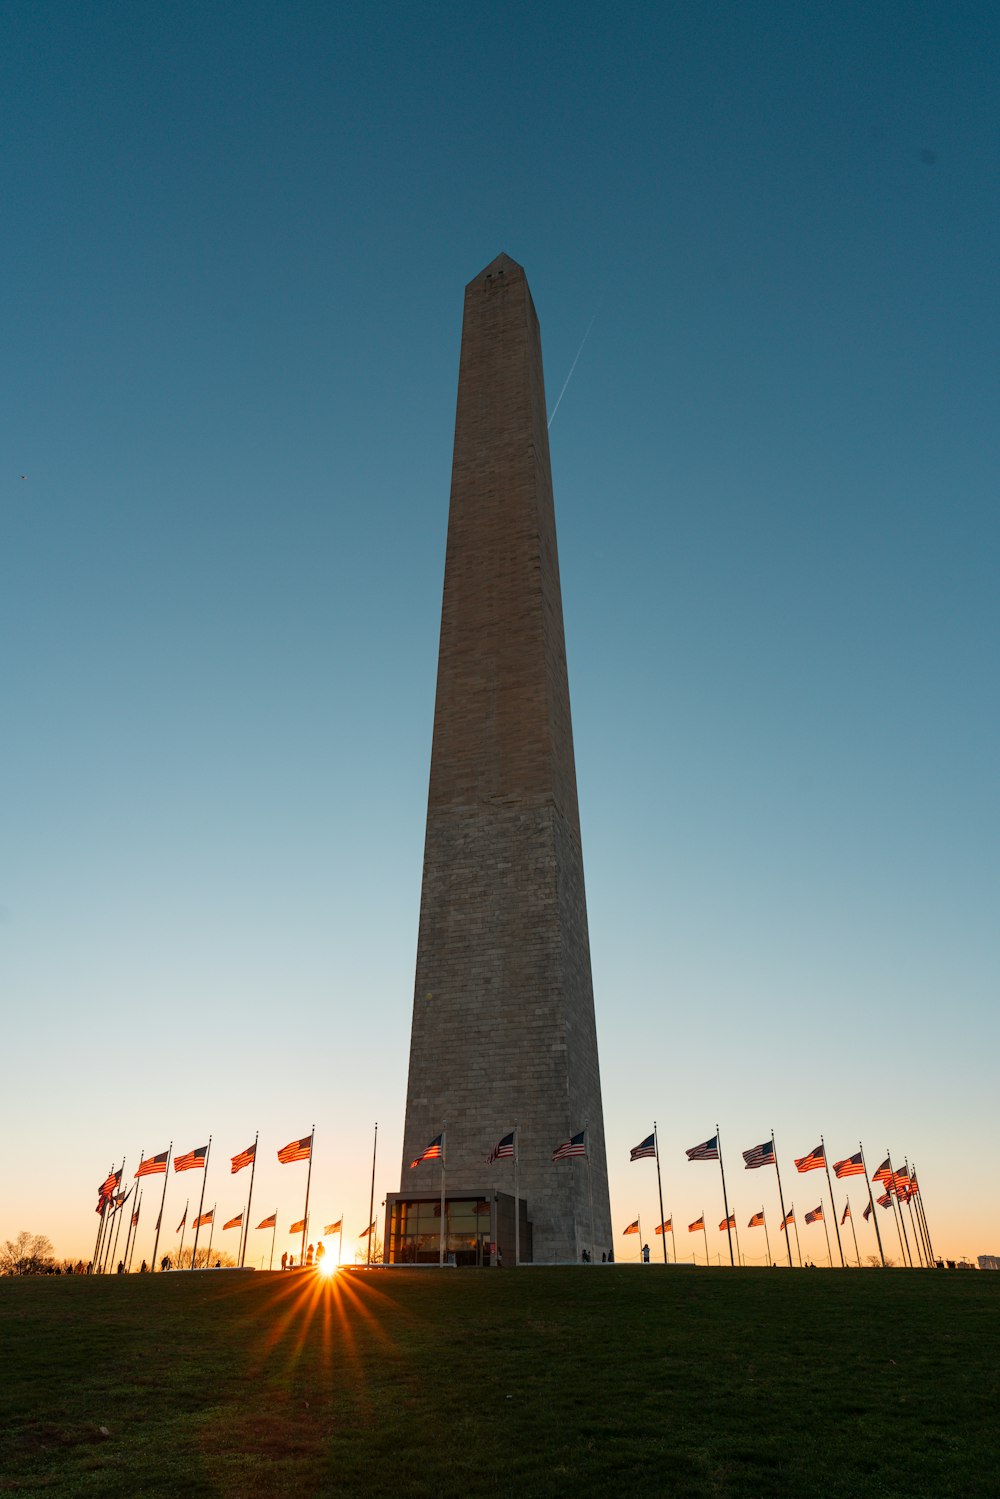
x: 590, y: 1188
x: 659, y: 1184
x: 517, y: 1201
x: 441, y: 1233
x: 201, y: 1204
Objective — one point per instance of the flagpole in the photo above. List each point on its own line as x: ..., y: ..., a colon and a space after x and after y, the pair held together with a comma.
x: 305, y: 1220
x: 659, y: 1188
x: 854, y: 1231
x: 201, y: 1204
x: 340, y: 1251
x: 916, y: 1237
x: 923, y: 1220
x: 107, y: 1246
x: 871, y: 1199
x: 100, y: 1224
x: 107, y: 1237
x: 725, y: 1199
x: 897, y: 1215
x: 444, y: 1143
x: 211, y: 1231
x: 128, y: 1263
x: 916, y: 1213
x: 371, y: 1196
x: 180, y: 1252
x: 274, y: 1235
x: 923, y: 1215
x: 914, y: 1219
x: 767, y: 1236
x: 798, y: 1241
x: 829, y: 1251
x: 517, y: 1200
x: 781, y: 1199
x: 704, y: 1229
x: 163, y: 1198
x: 111, y: 1237
x: 118, y: 1229
x: 833, y: 1206
x: 246, y: 1221
x: 590, y: 1190
x: 131, y: 1225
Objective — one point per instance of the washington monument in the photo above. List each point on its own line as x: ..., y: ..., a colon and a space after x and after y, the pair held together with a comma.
x: 503, y: 1031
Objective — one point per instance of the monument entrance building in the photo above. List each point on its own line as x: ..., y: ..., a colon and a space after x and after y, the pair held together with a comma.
x: 503, y: 1040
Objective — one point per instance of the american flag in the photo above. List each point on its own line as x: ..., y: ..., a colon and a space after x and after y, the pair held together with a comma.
x: 297, y: 1150
x: 245, y: 1158
x: 884, y: 1172
x: 761, y: 1155
x: 135, y: 1218
x: 665, y: 1228
x: 852, y: 1166
x: 644, y: 1149
x: 366, y: 1231
x: 433, y: 1152
x: 707, y: 1152
x: 757, y: 1221
x: 334, y: 1228
x: 205, y: 1218
x: 236, y: 1222
x: 153, y: 1165
x: 501, y: 1149
x: 813, y: 1161
x: 816, y: 1216
x: 298, y: 1227
x: 845, y: 1214
x: 191, y: 1160
x: 868, y: 1212
x: 108, y: 1185
x: 729, y: 1222
x: 697, y: 1225
x: 884, y: 1201
x: 633, y: 1228
x: 575, y: 1146
x: 182, y: 1222
x: 789, y: 1218
x: 269, y: 1222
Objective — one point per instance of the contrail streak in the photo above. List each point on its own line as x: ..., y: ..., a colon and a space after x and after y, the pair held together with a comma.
x: 573, y: 366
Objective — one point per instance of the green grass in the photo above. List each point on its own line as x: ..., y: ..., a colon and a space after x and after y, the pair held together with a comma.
x: 540, y: 1382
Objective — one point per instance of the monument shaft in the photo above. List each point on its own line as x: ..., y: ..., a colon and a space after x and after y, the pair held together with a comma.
x: 503, y: 1030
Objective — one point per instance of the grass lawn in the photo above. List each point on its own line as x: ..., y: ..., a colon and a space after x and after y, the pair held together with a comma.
x: 576, y: 1381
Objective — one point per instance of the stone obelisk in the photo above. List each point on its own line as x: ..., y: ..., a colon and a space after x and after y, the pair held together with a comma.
x: 503, y: 1027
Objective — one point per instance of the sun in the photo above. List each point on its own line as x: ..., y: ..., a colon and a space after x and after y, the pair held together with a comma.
x: 326, y: 1266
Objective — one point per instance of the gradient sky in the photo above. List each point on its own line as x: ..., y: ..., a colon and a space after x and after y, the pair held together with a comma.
x: 231, y: 271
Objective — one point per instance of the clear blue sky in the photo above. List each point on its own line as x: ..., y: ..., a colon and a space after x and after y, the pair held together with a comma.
x: 235, y: 241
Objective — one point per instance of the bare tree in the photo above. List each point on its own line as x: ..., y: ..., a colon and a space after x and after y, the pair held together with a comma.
x: 28, y: 1254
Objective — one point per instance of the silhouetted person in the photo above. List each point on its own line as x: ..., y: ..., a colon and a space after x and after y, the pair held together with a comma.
x: 320, y: 1254
x: 121, y: 1267
x: 309, y: 1255
x: 165, y: 1262
x: 143, y: 1268
x: 645, y: 1254
x: 284, y: 1261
